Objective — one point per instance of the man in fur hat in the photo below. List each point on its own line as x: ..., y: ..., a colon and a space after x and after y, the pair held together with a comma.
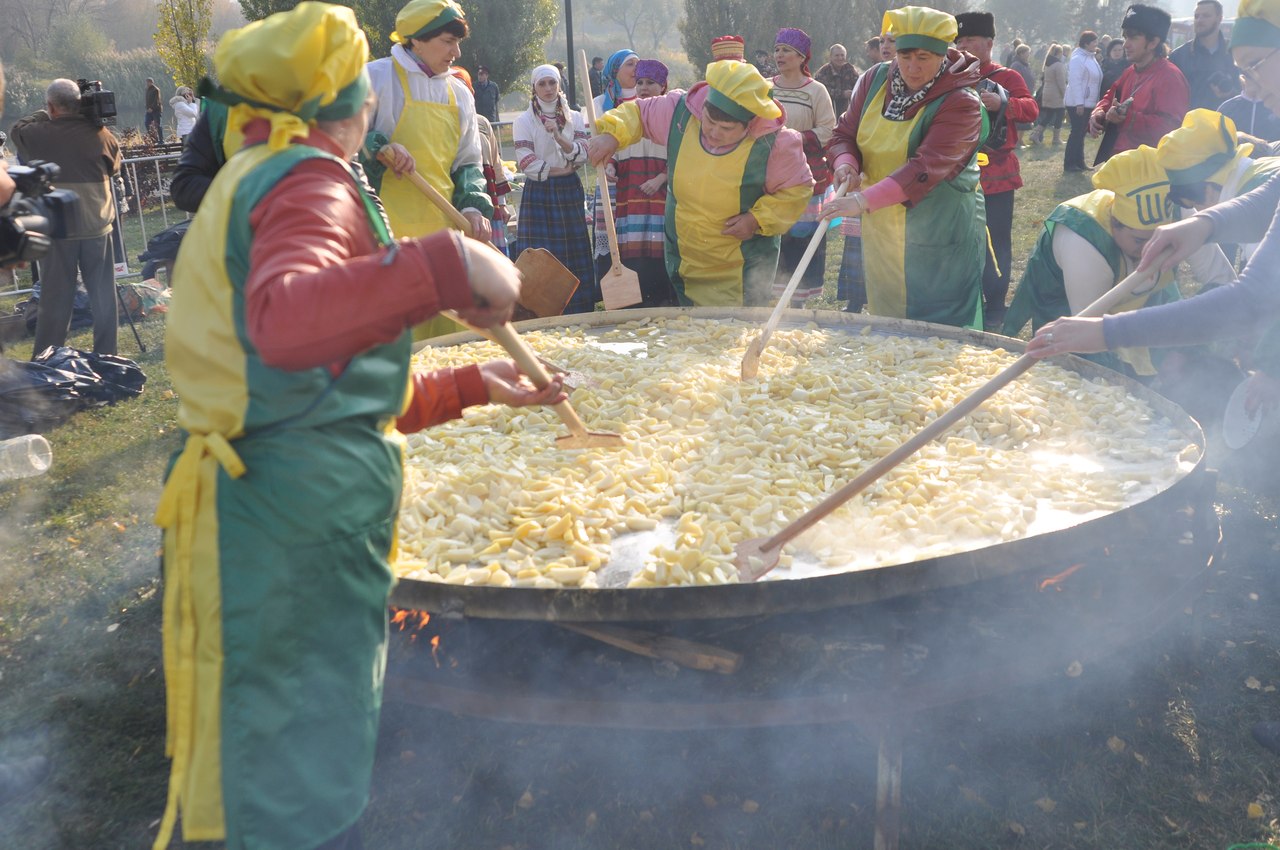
x: 1151, y: 95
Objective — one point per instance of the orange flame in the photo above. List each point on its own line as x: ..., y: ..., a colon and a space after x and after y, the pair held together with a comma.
x: 1053, y: 581
x: 435, y: 647
x: 401, y: 618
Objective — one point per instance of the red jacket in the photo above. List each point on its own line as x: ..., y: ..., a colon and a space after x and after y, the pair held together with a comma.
x: 319, y: 292
x: 1002, y: 172
x: 1160, y: 100
x: 949, y: 142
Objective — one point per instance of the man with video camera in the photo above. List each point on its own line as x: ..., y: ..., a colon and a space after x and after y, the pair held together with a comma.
x: 88, y: 156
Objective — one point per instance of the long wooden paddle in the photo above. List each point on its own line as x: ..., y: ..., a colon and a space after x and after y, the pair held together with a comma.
x: 620, y: 287
x: 758, y: 556
x: 751, y: 359
x: 505, y: 335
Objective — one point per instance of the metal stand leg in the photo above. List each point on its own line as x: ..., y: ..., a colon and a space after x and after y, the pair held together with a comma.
x: 129, y: 315
x: 889, y: 788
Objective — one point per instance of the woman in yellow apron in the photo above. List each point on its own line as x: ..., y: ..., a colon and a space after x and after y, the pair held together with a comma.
x: 910, y: 139
x: 1092, y: 242
x: 279, y: 510
x: 737, y: 180
x: 430, y: 115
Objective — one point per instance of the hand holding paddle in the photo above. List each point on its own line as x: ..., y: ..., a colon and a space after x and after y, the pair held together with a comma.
x: 758, y: 556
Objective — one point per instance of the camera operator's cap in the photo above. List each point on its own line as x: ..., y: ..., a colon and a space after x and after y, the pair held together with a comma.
x: 1257, y: 24
x: 919, y: 27
x: 1203, y: 148
x: 728, y: 47
x: 292, y: 68
x: 1140, y: 186
x: 737, y: 89
x: 981, y: 24
x: 419, y: 17
x: 1148, y: 20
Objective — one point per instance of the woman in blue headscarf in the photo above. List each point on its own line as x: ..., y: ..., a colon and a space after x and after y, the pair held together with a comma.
x: 619, y: 79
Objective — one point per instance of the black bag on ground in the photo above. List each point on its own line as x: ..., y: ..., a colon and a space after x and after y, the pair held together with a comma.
x: 163, y: 248
x: 35, y: 397
x: 102, y: 378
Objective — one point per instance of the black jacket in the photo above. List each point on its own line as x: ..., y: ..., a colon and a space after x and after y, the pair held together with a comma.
x: 202, y: 157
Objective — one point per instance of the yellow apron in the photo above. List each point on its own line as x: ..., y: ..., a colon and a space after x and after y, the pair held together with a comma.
x: 709, y: 188
x: 884, y: 145
x: 924, y: 262
x: 425, y: 129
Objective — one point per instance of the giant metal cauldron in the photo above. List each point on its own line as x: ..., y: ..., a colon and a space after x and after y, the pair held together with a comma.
x: 615, y: 603
x: 868, y: 647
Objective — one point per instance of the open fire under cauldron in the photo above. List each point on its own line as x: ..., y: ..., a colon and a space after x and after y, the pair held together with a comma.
x: 868, y: 647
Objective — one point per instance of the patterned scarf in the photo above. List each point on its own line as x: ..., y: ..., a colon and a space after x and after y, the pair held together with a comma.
x: 902, y: 98
x: 560, y: 111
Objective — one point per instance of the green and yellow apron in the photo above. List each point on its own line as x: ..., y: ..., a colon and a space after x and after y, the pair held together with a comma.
x: 431, y: 132
x: 278, y: 519
x: 925, y: 262
x: 1042, y: 293
x: 707, y: 268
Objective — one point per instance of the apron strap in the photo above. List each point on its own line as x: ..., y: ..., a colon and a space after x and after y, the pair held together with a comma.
x: 177, y: 511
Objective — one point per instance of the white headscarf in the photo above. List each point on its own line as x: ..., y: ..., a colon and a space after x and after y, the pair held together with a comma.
x: 542, y: 72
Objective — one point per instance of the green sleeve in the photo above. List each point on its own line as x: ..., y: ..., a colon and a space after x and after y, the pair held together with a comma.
x: 469, y: 190
x: 373, y: 167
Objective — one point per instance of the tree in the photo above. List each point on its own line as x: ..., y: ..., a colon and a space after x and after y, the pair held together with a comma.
x: 656, y: 26
x: 256, y: 10
x: 627, y: 14
x: 181, y: 38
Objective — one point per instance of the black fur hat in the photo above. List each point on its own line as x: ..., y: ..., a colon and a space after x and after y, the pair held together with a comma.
x: 1148, y: 20
x: 976, y: 23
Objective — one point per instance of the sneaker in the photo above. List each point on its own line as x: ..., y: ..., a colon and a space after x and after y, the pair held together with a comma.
x: 1267, y: 733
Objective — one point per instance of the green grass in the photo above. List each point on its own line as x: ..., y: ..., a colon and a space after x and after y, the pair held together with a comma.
x: 81, y: 682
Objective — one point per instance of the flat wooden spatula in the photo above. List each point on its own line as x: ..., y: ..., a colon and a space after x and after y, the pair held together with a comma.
x: 756, y: 557
x: 620, y: 287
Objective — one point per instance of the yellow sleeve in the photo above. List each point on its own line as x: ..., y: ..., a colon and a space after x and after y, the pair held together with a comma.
x: 623, y: 123
x: 777, y: 212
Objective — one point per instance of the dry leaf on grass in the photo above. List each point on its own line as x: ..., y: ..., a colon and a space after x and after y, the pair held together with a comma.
x: 592, y: 820
x: 709, y: 801
x: 1017, y: 828
x: 1074, y: 669
x: 1254, y: 811
x: 696, y: 840
x: 1046, y: 805
x: 1115, y: 745
x: 750, y: 807
x: 1252, y: 683
x: 1202, y: 797
x: 526, y: 800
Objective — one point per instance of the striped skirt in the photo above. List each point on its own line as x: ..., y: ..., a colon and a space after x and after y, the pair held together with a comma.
x: 553, y: 216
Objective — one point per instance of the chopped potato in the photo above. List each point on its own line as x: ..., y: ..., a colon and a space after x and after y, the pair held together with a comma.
x: 711, y: 461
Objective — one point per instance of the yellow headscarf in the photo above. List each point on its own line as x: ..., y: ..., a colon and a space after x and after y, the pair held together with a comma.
x: 919, y: 27
x: 1140, y: 186
x: 738, y: 89
x: 421, y: 16
x: 1257, y: 24
x: 1203, y: 149
x: 291, y: 69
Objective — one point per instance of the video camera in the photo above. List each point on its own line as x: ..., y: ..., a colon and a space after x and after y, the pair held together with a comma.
x: 97, y: 104
x: 35, y: 215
